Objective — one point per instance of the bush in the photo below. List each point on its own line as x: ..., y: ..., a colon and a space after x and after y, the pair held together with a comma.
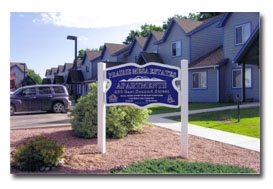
x: 37, y: 153
x: 120, y: 120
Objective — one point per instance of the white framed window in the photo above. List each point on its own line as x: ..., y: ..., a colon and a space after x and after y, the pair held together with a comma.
x: 199, y: 80
x: 237, y: 78
x: 242, y: 33
x: 176, y: 48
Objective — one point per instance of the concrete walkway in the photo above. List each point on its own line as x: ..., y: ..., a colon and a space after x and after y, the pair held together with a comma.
x: 213, y: 134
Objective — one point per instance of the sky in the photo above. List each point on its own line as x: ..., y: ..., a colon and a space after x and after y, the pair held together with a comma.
x: 39, y: 38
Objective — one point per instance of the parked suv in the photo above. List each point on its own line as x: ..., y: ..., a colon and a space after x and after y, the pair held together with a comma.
x: 53, y: 98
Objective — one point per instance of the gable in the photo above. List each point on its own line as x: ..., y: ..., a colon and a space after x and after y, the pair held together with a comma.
x: 190, y: 27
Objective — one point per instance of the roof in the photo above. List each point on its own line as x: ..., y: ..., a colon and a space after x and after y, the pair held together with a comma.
x: 145, y: 57
x: 68, y: 66
x: 212, y: 59
x: 189, y: 26
x: 22, y: 66
x: 47, y: 72
x: 156, y: 34
x: 93, y: 54
x: 53, y: 71
x: 114, y: 48
x: 60, y: 69
x: 140, y: 40
x: 28, y: 81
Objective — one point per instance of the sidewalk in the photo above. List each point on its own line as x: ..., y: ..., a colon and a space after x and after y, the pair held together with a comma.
x: 213, y: 134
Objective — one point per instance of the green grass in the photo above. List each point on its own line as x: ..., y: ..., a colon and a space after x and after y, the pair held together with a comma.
x: 192, y: 106
x: 227, y: 120
x: 168, y: 166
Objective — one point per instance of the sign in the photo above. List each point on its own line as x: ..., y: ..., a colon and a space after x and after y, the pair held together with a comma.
x: 142, y: 86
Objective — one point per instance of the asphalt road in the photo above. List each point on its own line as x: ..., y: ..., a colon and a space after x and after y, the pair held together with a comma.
x: 38, y: 120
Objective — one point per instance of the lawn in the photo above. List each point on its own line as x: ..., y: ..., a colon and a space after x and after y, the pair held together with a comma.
x: 227, y: 120
x: 192, y: 106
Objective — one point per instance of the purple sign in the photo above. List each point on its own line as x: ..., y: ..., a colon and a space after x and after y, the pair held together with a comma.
x: 151, y: 84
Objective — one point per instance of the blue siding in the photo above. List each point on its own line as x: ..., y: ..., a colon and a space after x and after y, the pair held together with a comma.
x: 134, y: 53
x: 205, y: 41
x: 230, y: 50
x: 209, y: 94
x: 151, y: 47
x: 165, y: 49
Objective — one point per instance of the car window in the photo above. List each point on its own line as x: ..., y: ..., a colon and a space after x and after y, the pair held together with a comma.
x: 44, y: 90
x: 58, y: 89
x: 29, y: 91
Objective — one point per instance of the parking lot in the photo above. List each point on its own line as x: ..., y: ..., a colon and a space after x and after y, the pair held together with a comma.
x: 38, y: 120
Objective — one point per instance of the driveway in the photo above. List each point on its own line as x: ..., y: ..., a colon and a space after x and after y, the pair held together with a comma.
x: 38, y: 120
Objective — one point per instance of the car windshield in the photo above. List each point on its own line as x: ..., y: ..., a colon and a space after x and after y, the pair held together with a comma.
x: 17, y: 91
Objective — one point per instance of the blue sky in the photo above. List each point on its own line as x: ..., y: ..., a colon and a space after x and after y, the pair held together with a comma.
x: 39, y: 38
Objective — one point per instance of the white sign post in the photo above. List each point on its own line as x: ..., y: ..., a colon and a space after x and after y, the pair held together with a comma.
x: 101, y: 136
x: 184, y: 108
x: 143, y: 86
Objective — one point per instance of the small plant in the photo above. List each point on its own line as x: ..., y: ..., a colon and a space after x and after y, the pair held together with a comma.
x: 36, y: 153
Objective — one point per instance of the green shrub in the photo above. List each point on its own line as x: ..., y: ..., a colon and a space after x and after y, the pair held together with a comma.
x: 169, y: 166
x: 36, y: 153
x: 120, y: 120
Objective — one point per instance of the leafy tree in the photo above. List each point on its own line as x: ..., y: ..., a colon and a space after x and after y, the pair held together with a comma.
x: 147, y: 28
x: 144, y: 32
x: 129, y: 39
x: 81, y: 52
x: 35, y: 76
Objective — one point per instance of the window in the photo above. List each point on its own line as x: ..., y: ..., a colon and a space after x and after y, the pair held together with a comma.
x: 242, y: 33
x: 199, y: 80
x: 44, y: 90
x: 87, y: 68
x: 29, y: 91
x: 237, y: 78
x: 176, y: 48
x: 58, y: 89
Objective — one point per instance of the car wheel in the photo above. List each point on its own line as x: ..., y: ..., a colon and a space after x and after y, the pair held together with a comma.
x: 12, y: 109
x: 58, y: 107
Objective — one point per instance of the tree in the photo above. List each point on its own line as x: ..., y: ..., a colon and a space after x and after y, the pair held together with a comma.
x: 144, y: 32
x: 34, y: 76
x: 147, y: 28
x: 81, y: 52
x: 129, y: 39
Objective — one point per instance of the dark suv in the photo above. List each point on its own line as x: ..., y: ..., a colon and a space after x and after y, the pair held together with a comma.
x: 53, y: 98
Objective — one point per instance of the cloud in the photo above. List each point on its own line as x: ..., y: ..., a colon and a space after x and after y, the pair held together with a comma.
x: 82, y: 38
x: 105, y: 18
x: 81, y: 20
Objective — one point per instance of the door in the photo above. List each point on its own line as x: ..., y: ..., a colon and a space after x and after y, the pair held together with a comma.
x: 29, y: 101
x: 45, y: 96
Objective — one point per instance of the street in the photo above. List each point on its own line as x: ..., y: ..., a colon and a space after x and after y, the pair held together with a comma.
x: 38, y: 119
